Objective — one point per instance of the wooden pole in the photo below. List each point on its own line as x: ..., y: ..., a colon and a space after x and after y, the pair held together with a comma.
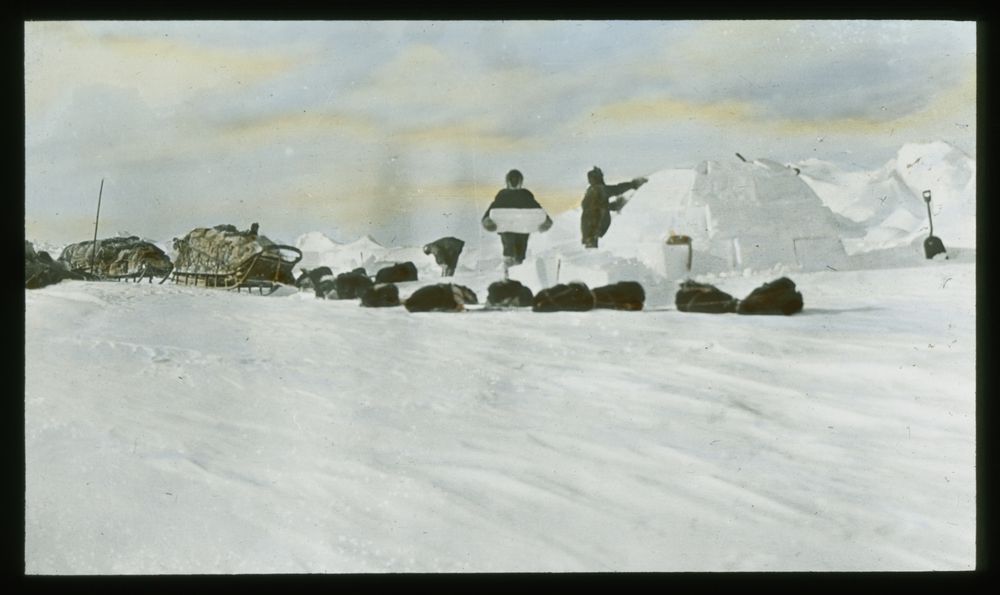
x: 93, y: 256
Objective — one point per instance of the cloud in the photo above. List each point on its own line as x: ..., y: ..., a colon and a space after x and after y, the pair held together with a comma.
x: 300, y: 126
x: 815, y: 69
x: 468, y: 135
x: 426, y: 86
x: 947, y: 104
x: 60, y: 56
x: 670, y: 108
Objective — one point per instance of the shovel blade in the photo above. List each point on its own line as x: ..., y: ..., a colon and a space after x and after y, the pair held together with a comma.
x: 933, y: 246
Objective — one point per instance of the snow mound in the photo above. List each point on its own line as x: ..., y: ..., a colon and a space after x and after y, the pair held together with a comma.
x: 365, y: 252
x: 950, y: 175
x: 315, y: 241
x: 888, y: 202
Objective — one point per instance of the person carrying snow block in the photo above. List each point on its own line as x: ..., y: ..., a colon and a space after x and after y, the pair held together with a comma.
x: 571, y: 297
x: 397, y: 273
x: 777, y: 297
x: 597, y: 205
x: 625, y: 295
x: 443, y: 297
x: 509, y: 294
x: 349, y: 286
x: 381, y: 296
x: 446, y: 252
x: 705, y: 298
x: 514, y: 214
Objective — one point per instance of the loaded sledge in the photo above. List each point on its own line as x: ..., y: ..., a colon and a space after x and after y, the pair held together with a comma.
x: 116, y: 259
x: 226, y: 258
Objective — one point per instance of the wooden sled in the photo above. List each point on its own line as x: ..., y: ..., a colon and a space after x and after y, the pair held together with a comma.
x: 87, y: 274
x: 269, y: 269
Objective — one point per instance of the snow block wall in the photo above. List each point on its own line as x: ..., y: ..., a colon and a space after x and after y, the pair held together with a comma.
x: 816, y: 254
x: 738, y: 215
x: 759, y: 208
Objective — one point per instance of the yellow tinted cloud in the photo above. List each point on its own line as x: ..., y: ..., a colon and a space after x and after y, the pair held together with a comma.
x: 666, y: 108
x: 413, y: 60
x: 958, y: 101
x: 62, y: 56
x: 469, y: 136
x: 948, y: 106
x: 424, y: 77
x: 299, y: 124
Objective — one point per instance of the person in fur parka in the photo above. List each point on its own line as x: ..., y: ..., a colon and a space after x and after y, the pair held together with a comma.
x: 514, y: 196
x: 597, y: 205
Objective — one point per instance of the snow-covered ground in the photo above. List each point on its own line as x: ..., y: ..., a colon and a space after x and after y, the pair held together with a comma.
x: 179, y: 430
x: 171, y: 429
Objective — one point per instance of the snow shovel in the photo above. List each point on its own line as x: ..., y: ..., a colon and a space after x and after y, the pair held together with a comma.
x: 933, y: 244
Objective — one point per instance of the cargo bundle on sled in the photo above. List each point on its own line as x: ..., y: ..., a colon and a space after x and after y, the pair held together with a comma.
x: 116, y: 259
x: 227, y: 258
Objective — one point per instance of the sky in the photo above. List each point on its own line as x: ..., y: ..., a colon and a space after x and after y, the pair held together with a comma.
x: 404, y: 130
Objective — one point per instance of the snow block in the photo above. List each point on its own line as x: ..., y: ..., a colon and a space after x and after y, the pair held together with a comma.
x: 624, y: 295
x: 534, y: 272
x: 518, y: 220
x: 571, y: 297
x: 665, y: 260
x: 760, y: 252
x: 590, y: 268
x: 381, y: 296
x: 443, y: 297
x: 509, y: 294
x: 817, y: 254
x: 397, y: 273
x: 704, y: 298
x: 777, y: 297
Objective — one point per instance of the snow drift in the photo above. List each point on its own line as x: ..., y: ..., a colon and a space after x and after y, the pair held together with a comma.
x: 192, y: 430
x: 888, y: 202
